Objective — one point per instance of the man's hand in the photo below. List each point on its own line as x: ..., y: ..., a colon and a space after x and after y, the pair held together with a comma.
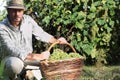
x: 45, y: 54
x: 62, y: 40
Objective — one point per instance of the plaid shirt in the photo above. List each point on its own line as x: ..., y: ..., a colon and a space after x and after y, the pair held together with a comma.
x: 18, y: 41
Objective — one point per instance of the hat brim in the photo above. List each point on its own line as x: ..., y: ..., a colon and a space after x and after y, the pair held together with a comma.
x: 14, y: 7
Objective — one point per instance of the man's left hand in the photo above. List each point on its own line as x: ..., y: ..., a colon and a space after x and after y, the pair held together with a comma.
x: 62, y: 40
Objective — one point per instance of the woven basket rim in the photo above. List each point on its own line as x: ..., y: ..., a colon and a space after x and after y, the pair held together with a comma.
x: 61, y: 60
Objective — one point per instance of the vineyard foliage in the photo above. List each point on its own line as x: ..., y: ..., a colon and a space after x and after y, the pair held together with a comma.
x: 91, y: 26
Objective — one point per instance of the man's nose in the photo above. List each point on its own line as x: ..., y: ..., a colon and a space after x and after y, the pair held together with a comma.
x: 16, y: 12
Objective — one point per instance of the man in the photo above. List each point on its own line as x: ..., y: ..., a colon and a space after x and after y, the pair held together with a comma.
x: 16, y: 39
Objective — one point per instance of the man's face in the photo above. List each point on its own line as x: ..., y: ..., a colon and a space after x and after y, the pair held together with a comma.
x: 15, y: 15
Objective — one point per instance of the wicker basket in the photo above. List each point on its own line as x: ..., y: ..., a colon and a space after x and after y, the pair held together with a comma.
x: 69, y: 69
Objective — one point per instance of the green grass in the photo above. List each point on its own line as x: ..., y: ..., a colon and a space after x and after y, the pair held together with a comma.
x: 2, y: 77
x: 103, y: 73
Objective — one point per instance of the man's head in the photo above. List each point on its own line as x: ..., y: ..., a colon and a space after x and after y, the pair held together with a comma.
x: 16, y: 4
x: 15, y: 10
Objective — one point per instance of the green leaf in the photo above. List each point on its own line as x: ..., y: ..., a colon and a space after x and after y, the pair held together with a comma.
x: 75, y: 8
x: 92, y: 8
x: 46, y: 19
x: 107, y: 28
x: 81, y: 14
x: 74, y: 42
x: 67, y: 0
x: 66, y: 22
x: 78, y: 37
x: 78, y: 1
x: 59, y: 20
x: 112, y: 12
x: 97, y: 3
x: 79, y: 25
x: 91, y: 15
x: 93, y: 53
x: 87, y: 48
x: 111, y: 23
x: 101, y: 21
x: 85, y: 32
x: 48, y: 2
x: 94, y: 30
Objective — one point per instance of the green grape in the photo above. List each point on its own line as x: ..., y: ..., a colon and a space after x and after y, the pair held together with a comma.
x: 58, y: 55
x: 75, y: 55
x: 61, y: 55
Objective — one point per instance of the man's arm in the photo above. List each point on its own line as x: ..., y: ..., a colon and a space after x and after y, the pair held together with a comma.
x: 42, y: 56
x: 42, y: 35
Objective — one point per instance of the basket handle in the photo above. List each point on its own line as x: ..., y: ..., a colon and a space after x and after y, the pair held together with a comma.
x: 57, y: 42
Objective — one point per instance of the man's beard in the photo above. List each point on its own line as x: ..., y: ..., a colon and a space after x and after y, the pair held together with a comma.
x: 17, y: 19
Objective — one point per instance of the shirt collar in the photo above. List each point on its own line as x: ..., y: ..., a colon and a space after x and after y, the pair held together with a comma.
x: 11, y: 26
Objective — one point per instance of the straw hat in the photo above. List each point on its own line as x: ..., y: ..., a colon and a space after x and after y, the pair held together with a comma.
x: 16, y: 4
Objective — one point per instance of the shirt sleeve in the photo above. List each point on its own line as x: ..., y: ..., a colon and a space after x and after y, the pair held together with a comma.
x: 39, y: 33
x: 8, y: 46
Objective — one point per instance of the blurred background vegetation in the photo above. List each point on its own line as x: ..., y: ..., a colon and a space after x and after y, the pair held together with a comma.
x: 91, y: 26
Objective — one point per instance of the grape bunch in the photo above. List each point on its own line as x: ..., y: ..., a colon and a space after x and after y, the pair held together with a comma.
x: 59, y: 54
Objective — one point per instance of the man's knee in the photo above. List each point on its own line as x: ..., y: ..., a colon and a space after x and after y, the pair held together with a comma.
x: 13, y: 65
